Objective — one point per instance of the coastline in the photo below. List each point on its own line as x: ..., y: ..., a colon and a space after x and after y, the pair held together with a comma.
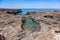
x: 30, y: 26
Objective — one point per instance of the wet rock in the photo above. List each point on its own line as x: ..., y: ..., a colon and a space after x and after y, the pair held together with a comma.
x: 2, y: 37
x: 28, y: 13
x: 48, y: 16
x: 11, y: 11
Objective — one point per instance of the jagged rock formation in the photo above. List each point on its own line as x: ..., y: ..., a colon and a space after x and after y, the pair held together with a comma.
x: 13, y: 27
x: 10, y: 26
x: 11, y: 11
x: 52, y: 34
x: 47, y: 21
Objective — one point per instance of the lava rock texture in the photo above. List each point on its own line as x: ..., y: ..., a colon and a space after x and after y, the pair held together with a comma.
x: 11, y: 11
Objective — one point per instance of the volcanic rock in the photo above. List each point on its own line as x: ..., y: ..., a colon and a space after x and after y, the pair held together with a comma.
x: 11, y: 11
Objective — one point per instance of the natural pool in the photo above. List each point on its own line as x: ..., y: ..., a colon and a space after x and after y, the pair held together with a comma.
x: 30, y: 25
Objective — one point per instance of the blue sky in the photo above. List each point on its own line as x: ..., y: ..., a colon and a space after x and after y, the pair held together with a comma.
x: 29, y: 3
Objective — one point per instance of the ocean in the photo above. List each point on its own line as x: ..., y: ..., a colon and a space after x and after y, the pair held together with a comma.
x: 24, y: 11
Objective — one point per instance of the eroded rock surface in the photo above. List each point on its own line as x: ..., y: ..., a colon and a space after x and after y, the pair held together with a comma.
x: 50, y: 34
x: 47, y: 21
x: 12, y: 26
x: 11, y: 11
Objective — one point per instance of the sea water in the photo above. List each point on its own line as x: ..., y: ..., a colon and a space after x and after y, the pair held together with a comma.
x: 24, y: 11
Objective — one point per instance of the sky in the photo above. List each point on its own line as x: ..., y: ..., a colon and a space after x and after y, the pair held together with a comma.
x: 30, y: 4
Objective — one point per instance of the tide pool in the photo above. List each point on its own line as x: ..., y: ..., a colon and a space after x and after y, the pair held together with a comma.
x: 31, y: 25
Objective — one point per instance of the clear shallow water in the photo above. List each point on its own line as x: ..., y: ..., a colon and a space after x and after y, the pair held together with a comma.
x: 24, y: 11
x: 30, y: 25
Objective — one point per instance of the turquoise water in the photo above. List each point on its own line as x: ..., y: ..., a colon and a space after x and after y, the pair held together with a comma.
x: 30, y: 25
x: 24, y: 11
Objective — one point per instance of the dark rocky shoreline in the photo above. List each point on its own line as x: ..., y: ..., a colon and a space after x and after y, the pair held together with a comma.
x: 11, y: 26
x: 11, y: 11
